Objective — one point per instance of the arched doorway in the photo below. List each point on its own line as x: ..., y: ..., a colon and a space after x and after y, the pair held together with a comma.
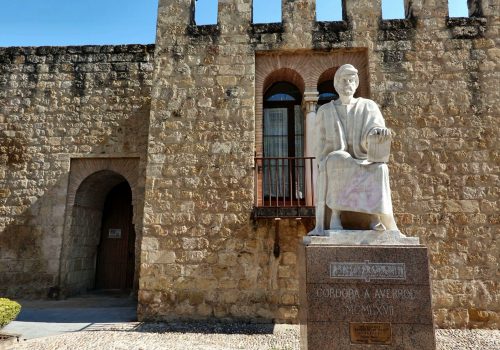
x: 99, y: 248
x: 115, y: 253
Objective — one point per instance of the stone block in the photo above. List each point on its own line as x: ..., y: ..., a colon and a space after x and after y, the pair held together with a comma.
x: 161, y: 257
x: 352, y: 297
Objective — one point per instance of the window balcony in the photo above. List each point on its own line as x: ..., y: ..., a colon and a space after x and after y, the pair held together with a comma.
x: 284, y: 187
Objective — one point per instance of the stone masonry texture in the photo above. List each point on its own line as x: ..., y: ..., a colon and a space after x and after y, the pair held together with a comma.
x: 59, y: 104
x: 186, y: 108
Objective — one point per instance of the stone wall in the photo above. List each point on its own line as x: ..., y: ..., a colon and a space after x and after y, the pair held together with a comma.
x: 59, y: 104
x: 67, y: 113
x: 436, y: 81
x: 440, y: 96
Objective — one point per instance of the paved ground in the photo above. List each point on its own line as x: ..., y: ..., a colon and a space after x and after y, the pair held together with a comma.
x: 97, y: 322
x: 161, y: 336
x: 45, y: 318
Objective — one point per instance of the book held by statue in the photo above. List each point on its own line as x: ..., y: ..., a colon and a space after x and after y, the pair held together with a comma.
x: 379, y: 148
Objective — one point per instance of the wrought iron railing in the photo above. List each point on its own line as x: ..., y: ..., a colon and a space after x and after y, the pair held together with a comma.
x: 284, y: 182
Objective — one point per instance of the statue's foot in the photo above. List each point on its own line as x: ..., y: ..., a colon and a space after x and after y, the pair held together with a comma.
x: 389, y: 222
x: 376, y: 224
x: 316, y: 232
x: 335, y: 223
x: 379, y: 227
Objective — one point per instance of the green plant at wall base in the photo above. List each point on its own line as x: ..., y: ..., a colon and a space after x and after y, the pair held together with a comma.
x: 8, y: 311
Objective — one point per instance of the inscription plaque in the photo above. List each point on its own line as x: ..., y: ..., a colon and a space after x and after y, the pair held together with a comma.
x: 115, y: 233
x: 368, y: 271
x: 370, y: 333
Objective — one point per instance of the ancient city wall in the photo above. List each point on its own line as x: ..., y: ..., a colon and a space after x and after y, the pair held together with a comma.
x: 436, y: 80
x: 84, y: 108
x: 67, y: 113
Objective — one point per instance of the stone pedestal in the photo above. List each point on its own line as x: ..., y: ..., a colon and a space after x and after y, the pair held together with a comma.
x: 372, y: 294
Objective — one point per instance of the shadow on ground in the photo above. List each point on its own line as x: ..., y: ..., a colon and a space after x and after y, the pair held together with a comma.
x: 97, y: 312
x: 206, y: 327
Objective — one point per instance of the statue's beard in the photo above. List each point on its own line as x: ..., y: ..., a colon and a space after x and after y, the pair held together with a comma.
x: 347, y: 93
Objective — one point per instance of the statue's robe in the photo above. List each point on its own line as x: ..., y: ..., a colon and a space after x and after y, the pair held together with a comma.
x: 347, y: 181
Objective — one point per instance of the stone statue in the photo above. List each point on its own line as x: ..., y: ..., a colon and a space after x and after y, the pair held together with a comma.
x: 347, y: 180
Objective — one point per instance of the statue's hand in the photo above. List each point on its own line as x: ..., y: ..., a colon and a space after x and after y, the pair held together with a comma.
x: 381, y: 131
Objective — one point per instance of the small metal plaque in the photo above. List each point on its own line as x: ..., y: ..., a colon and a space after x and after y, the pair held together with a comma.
x: 115, y: 233
x: 370, y: 333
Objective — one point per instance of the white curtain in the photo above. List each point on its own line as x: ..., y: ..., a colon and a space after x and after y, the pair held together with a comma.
x: 276, y: 183
x: 278, y: 173
x: 299, y: 152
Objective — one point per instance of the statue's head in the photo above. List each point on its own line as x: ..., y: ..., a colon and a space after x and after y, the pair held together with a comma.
x: 346, y: 80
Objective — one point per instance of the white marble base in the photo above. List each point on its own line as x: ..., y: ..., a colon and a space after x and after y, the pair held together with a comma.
x: 362, y: 237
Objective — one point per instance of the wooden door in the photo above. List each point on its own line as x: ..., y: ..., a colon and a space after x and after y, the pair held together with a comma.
x: 116, y: 251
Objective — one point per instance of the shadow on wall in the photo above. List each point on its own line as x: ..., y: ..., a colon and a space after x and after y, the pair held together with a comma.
x: 31, y: 242
x: 33, y: 203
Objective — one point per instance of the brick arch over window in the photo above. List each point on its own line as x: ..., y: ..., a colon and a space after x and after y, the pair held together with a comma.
x: 304, y: 70
x: 327, y: 75
x: 323, y: 68
x: 264, y: 82
x: 284, y: 74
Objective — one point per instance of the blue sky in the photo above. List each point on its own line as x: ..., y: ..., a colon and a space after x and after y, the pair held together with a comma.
x: 76, y: 22
x: 80, y: 22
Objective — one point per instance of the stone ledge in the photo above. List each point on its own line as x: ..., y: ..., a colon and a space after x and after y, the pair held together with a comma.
x: 203, y: 30
x: 283, y: 212
x: 397, y: 29
x: 265, y: 28
x: 466, y: 27
x: 397, y: 23
x: 335, y: 26
x: 361, y: 237
x: 331, y: 32
x: 72, y: 49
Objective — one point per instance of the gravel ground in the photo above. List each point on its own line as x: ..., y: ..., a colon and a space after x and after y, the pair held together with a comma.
x: 177, y: 336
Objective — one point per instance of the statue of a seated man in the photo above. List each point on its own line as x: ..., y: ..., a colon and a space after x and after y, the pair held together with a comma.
x: 347, y: 181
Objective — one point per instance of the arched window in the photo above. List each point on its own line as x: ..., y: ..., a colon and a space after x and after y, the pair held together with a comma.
x: 326, y: 92
x: 283, y: 121
x: 283, y: 138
